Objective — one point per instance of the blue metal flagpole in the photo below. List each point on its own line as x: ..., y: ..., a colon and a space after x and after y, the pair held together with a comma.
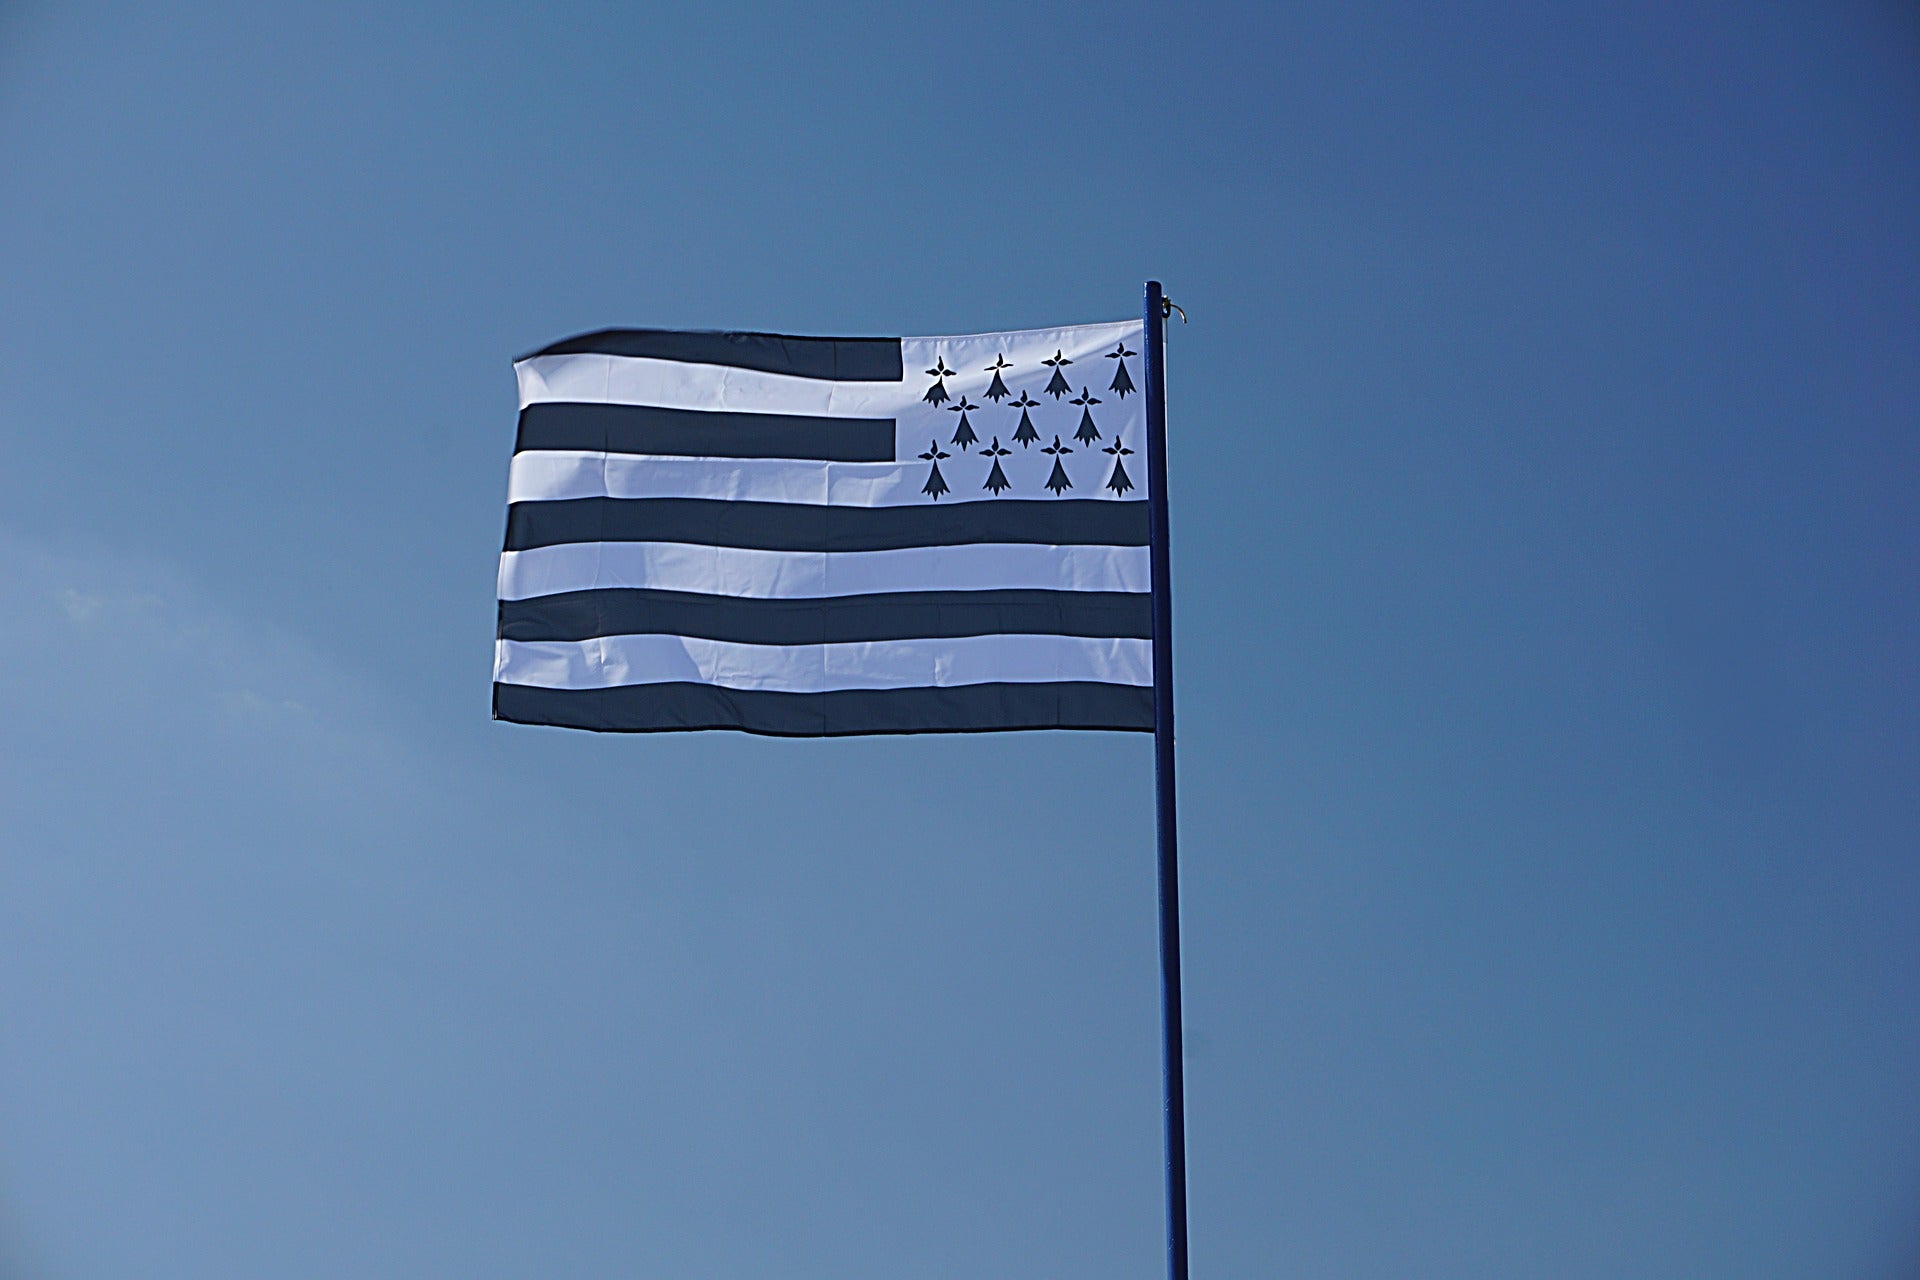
x: 1173, y: 1074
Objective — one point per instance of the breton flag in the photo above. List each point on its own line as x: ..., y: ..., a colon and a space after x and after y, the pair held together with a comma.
x: 824, y: 536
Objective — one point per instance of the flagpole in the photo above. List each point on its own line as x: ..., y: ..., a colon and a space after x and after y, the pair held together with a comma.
x: 1172, y: 1059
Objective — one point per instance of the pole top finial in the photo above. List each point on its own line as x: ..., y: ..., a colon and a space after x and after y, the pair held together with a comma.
x: 1167, y: 306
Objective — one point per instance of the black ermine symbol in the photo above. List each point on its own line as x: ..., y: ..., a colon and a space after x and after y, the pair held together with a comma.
x: 1119, y: 481
x: 997, y: 391
x: 1025, y: 435
x: 964, y: 436
x: 1058, y: 481
x: 937, y: 393
x: 1087, y: 433
x: 996, y: 479
x: 1122, y: 383
x: 936, y: 483
x: 1058, y: 385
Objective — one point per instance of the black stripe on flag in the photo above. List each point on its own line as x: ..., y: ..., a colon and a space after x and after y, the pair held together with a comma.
x: 702, y: 433
x: 967, y: 708
x: 794, y: 526
x: 901, y: 615
x: 831, y: 359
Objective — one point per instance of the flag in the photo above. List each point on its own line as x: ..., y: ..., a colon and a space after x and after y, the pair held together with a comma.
x: 809, y: 536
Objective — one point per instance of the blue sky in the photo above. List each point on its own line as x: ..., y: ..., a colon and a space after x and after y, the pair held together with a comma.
x: 1544, y: 471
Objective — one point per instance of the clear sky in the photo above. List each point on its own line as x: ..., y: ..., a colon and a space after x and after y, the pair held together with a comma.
x: 1546, y: 482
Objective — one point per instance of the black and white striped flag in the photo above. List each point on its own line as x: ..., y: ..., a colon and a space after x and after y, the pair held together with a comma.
x: 823, y: 536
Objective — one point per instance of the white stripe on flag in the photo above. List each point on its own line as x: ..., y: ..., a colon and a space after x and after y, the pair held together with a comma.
x: 552, y: 475
x: 892, y: 664
x: 731, y: 571
x: 674, y: 384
